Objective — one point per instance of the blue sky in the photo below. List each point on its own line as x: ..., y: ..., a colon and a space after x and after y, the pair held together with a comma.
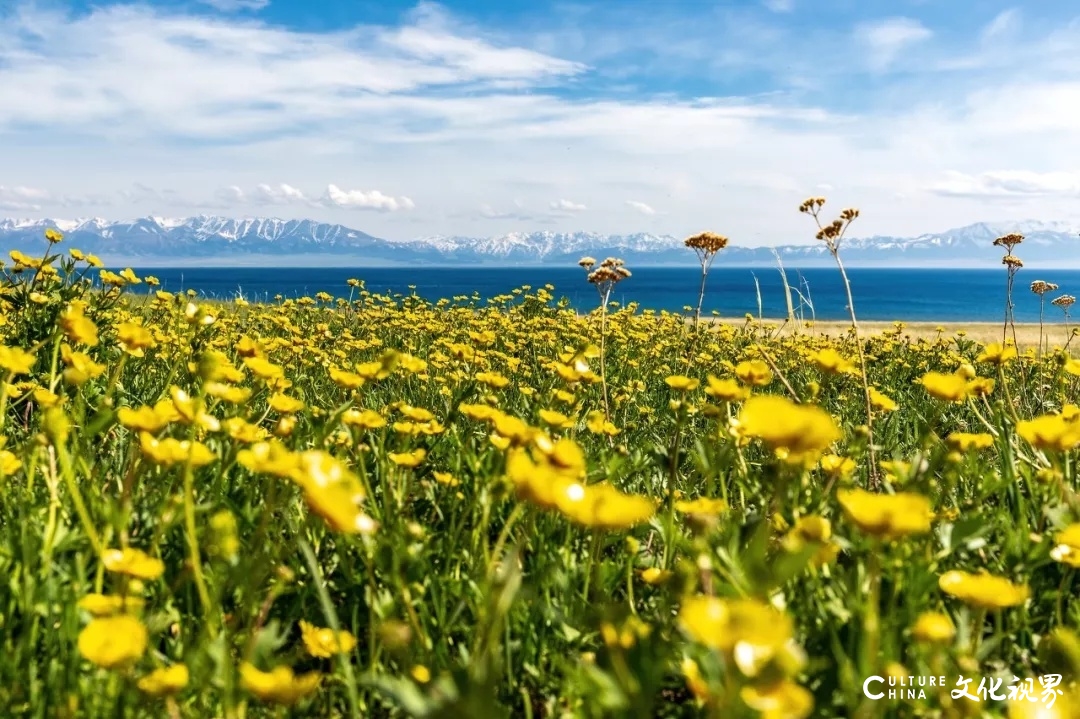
x: 485, y: 117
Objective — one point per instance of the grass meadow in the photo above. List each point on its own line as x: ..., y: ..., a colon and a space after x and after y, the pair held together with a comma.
x: 384, y: 507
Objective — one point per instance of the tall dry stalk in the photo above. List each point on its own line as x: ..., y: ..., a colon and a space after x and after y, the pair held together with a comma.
x: 1013, y: 264
x: 604, y: 278
x: 832, y: 234
x: 1065, y: 302
x: 787, y: 291
x: 1040, y: 288
x: 706, y: 245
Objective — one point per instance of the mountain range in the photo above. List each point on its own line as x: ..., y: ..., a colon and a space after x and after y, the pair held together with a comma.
x: 212, y: 240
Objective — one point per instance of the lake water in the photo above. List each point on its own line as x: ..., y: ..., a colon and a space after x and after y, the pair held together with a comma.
x: 932, y: 295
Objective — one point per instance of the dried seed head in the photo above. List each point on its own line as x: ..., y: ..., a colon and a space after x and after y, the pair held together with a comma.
x: 1041, y: 287
x: 608, y: 273
x: 1009, y: 241
x: 707, y: 243
x: 586, y: 262
x: 1012, y: 261
x: 1064, y: 302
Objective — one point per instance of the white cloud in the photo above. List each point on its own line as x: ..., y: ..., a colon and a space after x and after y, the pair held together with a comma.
x: 235, y: 5
x: 22, y: 199
x: 443, y: 118
x: 518, y: 214
x: 1009, y: 183
x: 567, y: 206
x: 885, y: 39
x: 278, y: 194
x: 640, y: 207
x: 29, y: 199
x: 1003, y: 23
x: 361, y: 200
x: 230, y: 196
x: 135, y: 70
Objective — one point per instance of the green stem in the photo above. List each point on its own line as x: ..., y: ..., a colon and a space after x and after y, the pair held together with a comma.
x: 335, y: 625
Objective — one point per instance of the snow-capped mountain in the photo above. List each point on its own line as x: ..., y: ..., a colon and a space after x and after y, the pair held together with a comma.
x: 267, y: 241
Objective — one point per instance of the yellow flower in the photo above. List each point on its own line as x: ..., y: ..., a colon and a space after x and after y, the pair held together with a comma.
x: 269, y: 458
x: 755, y: 373
x: 934, y: 628
x: 996, y: 354
x: 980, y: 387
x: 170, y: 451
x: 555, y: 419
x: 478, y: 412
x: 889, y: 516
x: 77, y: 327
x: 165, y: 681
x: 228, y: 393
x: 321, y: 642
x: 446, y: 478
x: 1050, y: 432
x: 80, y: 368
x: 754, y: 634
x: 112, y: 642
x: 46, y: 398
x: 680, y: 383
x: 702, y: 505
x: 132, y: 562
x: 280, y: 685
x: 15, y: 360
x: 263, y: 368
x: 655, y: 575
x: 420, y: 673
x: 53, y: 236
x: 144, y: 418
x: 830, y: 361
x: 366, y: 419
x: 9, y: 463
x: 106, y: 605
x: 134, y: 338
x: 1067, y: 549
x: 283, y: 403
x: 726, y: 390
x: 813, y: 530
x: 881, y: 402
x: 603, y: 506
x: 983, y: 590
x: 332, y: 492
x: 598, y: 424
x: 836, y: 466
x: 947, y: 387
x: 1035, y: 707
x: 694, y: 681
x: 802, y: 431
x: 781, y: 699
x: 492, y: 379
x: 408, y: 459
x: 965, y: 442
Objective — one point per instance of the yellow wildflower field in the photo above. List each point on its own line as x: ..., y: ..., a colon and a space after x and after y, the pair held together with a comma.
x: 384, y: 507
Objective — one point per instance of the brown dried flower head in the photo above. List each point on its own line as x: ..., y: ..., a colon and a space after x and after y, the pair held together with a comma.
x: 1012, y: 261
x: 1041, y: 287
x: 1009, y: 241
x: 811, y: 204
x: 586, y: 262
x: 610, y: 270
x: 706, y: 243
x: 1064, y: 302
